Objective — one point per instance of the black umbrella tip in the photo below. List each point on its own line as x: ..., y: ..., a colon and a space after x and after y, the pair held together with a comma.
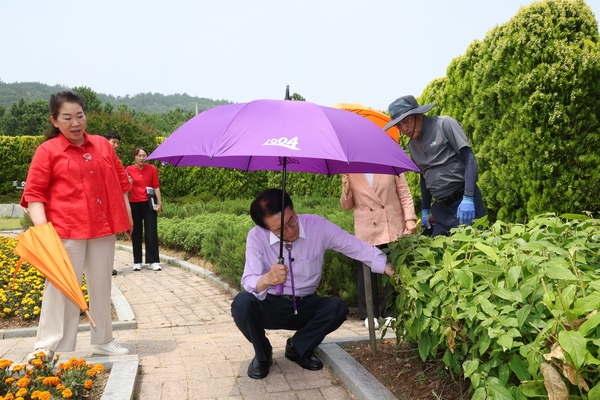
x: 287, y: 92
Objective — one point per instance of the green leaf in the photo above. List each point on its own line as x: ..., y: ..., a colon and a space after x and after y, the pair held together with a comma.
x: 479, y: 394
x: 498, y: 392
x: 574, y: 344
x: 504, y: 373
x: 594, y: 393
x: 503, y: 293
x: 470, y: 366
x: 424, y: 347
x: 464, y: 278
x: 519, y: 367
x: 486, y: 270
x: 505, y: 341
x: 558, y: 272
x: 522, y: 314
x: 591, y: 323
x: 533, y: 388
x: 486, y: 306
x: 489, y: 251
x: 484, y: 342
x: 514, y: 273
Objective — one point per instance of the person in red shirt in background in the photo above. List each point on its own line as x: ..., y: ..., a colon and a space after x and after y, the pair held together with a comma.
x: 77, y: 182
x: 144, y: 176
x: 115, y: 140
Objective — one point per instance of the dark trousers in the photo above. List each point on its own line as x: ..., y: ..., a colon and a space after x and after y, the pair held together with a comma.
x: 445, y: 217
x: 316, y: 318
x: 144, y: 216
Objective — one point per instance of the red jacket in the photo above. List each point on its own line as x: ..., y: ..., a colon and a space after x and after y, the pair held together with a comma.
x: 81, y: 187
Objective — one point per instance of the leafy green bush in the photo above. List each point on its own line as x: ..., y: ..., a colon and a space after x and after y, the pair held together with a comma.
x: 507, y: 305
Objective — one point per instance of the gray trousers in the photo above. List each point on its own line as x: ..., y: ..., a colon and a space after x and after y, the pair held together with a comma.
x: 59, y: 319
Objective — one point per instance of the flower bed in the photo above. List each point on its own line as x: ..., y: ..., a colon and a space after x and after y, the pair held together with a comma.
x: 47, y: 380
x: 20, y: 294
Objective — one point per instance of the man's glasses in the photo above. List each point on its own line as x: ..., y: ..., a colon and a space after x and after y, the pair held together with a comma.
x: 292, y: 223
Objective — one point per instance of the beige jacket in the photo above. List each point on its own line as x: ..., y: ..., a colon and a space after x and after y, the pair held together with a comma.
x: 381, y: 210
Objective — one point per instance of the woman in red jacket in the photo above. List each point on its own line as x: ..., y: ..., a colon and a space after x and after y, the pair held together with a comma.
x: 145, y: 181
x: 77, y: 182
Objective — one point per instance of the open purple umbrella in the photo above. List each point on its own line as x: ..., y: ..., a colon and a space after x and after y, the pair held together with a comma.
x: 284, y: 135
x: 258, y: 136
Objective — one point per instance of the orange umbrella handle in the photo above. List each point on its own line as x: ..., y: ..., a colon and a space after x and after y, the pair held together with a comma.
x: 90, y: 318
x: 19, y: 263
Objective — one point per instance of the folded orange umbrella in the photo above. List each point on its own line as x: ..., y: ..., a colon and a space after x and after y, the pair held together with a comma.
x: 377, y: 117
x: 41, y: 247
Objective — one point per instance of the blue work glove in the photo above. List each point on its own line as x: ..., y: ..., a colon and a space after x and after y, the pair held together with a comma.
x: 466, y: 210
x: 425, y: 218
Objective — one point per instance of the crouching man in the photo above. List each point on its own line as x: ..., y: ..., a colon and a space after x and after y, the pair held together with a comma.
x: 306, y: 237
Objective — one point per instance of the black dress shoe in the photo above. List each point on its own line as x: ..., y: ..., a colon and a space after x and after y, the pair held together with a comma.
x: 311, y: 362
x: 114, y: 272
x: 259, y: 369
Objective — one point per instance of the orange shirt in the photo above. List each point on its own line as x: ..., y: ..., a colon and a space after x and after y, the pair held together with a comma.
x: 81, y: 187
x: 142, y: 178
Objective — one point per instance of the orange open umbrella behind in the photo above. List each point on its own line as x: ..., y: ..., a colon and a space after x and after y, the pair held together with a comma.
x: 41, y: 247
x: 377, y: 117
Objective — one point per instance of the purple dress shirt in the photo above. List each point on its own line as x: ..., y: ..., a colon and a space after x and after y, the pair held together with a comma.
x: 317, y: 234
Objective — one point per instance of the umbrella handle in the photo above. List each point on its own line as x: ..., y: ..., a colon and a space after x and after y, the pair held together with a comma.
x: 87, y: 312
x: 279, y: 287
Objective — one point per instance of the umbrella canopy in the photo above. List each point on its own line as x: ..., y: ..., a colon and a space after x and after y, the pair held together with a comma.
x: 259, y: 134
x: 283, y: 135
x: 377, y: 117
x: 41, y: 247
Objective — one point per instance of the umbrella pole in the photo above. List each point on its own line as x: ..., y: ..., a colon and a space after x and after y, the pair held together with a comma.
x: 87, y: 312
x: 283, y: 177
x: 370, y: 311
x: 280, y: 260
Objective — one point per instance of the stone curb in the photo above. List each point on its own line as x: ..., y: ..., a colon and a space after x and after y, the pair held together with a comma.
x: 358, y: 380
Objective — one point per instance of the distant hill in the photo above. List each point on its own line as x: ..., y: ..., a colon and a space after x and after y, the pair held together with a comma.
x: 146, y: 102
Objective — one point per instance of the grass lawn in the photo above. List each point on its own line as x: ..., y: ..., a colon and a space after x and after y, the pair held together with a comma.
x: 9, y: 223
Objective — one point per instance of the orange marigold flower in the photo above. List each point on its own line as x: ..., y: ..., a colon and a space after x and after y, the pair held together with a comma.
x: 37, y: 363
x: 35, y: 394
x: 17, y: 367
x: 67, y: 394
x: 51, y: 381
x: 19, y: 398
x: 5, y: 363
x: 88, y: 384
x: 21, y: 392
x: 23, y: 382
x: 60, y: 387
x: 45, y: 395
x: 9, y: 380
x: 9, y: 396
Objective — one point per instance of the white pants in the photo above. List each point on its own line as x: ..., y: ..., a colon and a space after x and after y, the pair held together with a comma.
x: 59, y: 319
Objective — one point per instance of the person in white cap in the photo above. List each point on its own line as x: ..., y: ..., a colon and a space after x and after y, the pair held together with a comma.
x: 441, y: 150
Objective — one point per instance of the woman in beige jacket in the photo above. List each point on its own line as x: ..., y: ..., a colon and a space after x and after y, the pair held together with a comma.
x: 383, y: 212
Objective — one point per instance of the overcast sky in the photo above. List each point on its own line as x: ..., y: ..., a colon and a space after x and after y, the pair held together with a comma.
x: 329, y: 51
